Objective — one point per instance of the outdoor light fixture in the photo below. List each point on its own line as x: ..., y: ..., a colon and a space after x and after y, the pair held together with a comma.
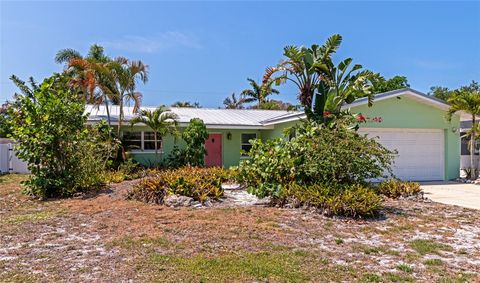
x: 229, y: 136
x: 454, y: 129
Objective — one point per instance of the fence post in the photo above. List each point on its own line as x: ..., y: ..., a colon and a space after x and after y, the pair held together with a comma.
x: 10, y: 157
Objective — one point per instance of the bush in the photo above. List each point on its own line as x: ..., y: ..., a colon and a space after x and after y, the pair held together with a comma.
x: 200, y: 184
x: 332, y: 157
x: 63, y: 154
x: 353, y: 200
x: 149, y: 190
x: 395, y: 188
x: 328, y: 168
x: 194, y: 152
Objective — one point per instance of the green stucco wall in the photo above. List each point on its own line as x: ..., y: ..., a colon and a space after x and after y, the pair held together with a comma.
x: 230, y: 147
x: 404, y: 112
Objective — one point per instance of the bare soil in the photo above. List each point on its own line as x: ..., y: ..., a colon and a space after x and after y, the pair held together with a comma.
x: 105, y: 238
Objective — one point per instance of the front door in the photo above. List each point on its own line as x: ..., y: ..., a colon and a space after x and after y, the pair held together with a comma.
x: 213, y: 145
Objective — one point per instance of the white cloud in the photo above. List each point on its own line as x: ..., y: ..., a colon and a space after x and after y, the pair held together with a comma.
x: 152, y: 44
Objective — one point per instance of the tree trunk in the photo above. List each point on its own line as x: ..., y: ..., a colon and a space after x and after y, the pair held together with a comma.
x: 108, y: 115
x: 472, y: 150
x: 120, y: 115
x: 156, y: 149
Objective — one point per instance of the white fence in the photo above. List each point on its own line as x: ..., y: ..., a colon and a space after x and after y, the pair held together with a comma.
x: 9, y: 162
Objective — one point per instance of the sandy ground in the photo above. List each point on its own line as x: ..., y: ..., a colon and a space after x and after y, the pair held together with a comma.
x: 104, y: 238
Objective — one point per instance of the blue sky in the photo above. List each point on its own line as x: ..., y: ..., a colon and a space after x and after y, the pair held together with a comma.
x: 204, y: 51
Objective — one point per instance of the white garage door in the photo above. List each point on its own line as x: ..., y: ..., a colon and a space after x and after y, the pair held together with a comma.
x: 421, y: 152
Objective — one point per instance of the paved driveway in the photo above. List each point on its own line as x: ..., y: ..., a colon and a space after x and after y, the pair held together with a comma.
x: 466, y: 195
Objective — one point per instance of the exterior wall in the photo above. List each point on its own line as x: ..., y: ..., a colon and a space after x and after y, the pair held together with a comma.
x: 277, y: 131
x: 230, y: 147
x: 408, y: 113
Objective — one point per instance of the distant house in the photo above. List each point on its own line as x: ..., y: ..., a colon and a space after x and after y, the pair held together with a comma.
x: 465, y: 126
x: 411, y: 122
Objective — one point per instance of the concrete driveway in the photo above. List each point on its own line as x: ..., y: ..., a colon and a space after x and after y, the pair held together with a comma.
x: 466, y: 195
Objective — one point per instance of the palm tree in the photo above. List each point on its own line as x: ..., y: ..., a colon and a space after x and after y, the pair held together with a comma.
x: 258, y: 93
x: 162, y: 122
x: 467, y: 100
x: 186, y: 104
x: 232, y: 102
x: 297, y: 68
x: 323, y: 86
x: 87, y: 73
x: 120, y: 81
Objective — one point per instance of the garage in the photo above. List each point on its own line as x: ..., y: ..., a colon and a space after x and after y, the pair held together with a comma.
x: 421, y: 152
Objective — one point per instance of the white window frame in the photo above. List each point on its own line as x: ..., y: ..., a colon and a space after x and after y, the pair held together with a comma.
x: 242, y: 143
x: 142, y: 143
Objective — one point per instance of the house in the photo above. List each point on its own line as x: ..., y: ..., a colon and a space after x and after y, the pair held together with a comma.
x: 465, y: 158
x: 413, y: 123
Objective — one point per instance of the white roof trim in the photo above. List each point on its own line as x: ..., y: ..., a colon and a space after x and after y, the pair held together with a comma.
x: 424, y: 98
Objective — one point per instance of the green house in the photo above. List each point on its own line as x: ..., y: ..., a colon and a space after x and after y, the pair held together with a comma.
x: 406, y: 120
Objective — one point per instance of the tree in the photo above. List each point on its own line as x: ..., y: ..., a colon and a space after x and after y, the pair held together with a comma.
x: 120, y: 82
x: 442, y: 93
x: 4, y: 126
x: 195, y: 135
x: 273, y: 104
x: 63, y: 154
x: 468, y: 100
x: 232, y: 102
x: 381, y: 85
x: 258, y: 93
x: 323, y: 86
x: 186, y: 104
x: 162, y: 122
x: 87, y: 73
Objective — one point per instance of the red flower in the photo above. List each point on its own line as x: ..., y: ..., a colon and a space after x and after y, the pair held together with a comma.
x: 361, y: 118
x: 326, y: 113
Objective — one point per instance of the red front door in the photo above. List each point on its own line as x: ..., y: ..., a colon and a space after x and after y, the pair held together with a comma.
x: 213, y: 145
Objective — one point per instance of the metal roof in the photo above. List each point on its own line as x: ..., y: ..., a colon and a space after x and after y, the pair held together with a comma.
x: 210, y: 116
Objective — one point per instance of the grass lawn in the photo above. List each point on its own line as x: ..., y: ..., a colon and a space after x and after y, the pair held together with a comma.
x: 106, y: 238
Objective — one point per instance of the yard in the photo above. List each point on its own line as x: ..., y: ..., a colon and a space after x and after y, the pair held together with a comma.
x: 107, y: 238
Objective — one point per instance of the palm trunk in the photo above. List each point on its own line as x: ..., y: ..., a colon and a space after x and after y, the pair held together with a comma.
x: 472, y: 150
x: 108, y: 114
x: 120, y: 115
x: 156, y: 149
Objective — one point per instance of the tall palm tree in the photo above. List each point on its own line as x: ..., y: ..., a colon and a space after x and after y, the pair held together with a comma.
x: 162, y: 122
x: 232, y: 102
x: 121, y: 76
x: 86, y: 72
x: 258, y: 93
x: 323, y: 86
x: 467, y: 100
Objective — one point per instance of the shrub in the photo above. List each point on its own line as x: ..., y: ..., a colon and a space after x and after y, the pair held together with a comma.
x: 355, y: 201
x: 63, y: 154
x: 200, y: 184
x: 194, y: 152
x: 149, y: 190
x: 352, y: 200
x: 395, y: 188
x: 316, y: 155
x: 130, y: 169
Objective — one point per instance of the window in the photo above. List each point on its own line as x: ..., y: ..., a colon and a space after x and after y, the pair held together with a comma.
x: 465, y: 145
x: 141, y: 141
x: 245, y: 143
x: 132, y: 140
x: 149, y: 141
